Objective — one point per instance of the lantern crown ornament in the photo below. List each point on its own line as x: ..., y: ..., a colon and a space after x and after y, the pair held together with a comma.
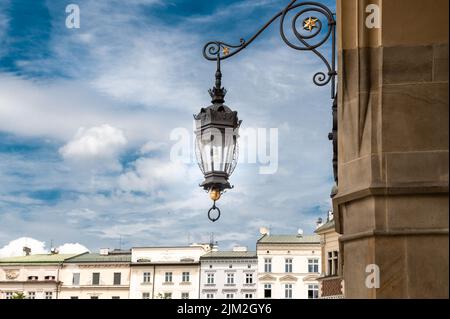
x: 217, y: 136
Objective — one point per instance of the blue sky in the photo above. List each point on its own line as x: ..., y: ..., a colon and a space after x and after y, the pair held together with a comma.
x: 86, y: 116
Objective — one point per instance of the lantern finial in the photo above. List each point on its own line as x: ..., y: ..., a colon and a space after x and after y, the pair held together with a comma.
x: 218, y: 92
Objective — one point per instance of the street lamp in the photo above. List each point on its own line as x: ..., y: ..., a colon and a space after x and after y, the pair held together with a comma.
x: 217, y: 125
x: 217, y: 132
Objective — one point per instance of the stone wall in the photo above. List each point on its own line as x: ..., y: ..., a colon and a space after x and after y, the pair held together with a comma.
x: 392, y: 200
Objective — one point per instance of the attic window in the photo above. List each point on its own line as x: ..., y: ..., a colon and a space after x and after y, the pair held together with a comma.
x: 49, y: 277
x: 32, y: 277
x: 144, y: 260
x: 187, y: 260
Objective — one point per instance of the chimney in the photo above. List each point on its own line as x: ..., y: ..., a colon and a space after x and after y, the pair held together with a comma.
x: 27, y: 251
x: 319, y: 222
x: 330, y: 215
x: 264, y: 231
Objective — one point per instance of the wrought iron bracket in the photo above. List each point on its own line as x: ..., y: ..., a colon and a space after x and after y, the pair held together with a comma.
x: 318, y: 32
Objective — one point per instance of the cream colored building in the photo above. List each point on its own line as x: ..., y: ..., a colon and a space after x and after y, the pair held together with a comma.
x: 288, y: 266
x: 104, y: 275
x: 36, y: 276
x: 166, y: 272
x: 229, y: 274
x: 331, y: 285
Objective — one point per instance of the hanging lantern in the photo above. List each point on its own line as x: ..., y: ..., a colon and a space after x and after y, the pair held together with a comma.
x: 217, y: 136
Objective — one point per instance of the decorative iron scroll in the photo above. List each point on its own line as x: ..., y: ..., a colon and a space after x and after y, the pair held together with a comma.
x: 313, y: 34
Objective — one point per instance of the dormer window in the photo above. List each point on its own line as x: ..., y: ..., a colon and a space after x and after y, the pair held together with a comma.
x: 144, y: 260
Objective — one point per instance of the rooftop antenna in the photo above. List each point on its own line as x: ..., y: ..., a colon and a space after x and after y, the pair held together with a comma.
x: 212, y: 242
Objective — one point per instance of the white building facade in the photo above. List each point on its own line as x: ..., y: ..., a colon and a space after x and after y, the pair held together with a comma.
x: 229, y: 275
x: 104, y: 275
x: 288, y: 266
x: 33, y: 276
x: 166, y: 272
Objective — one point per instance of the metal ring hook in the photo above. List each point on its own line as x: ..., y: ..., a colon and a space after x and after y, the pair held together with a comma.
x: 214, y: 207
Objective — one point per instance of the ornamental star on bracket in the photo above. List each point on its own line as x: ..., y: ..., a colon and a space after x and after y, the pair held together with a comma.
x: 310, y: 23
x: 226, y: 51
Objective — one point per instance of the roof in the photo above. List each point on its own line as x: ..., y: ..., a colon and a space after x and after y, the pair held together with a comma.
x: 170, y: 247
x: 37, y: 259
x: 97, y: 258
x: 327, y: 225
x: 289, y: 239
x: 229, y: 254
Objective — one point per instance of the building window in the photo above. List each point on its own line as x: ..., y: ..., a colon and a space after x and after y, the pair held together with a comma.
x: 94, y: 297
x: 48, y: 295
x: 96, y: 278
x: 168, y: 277
x: 230, y: 266
x: 210, y: 279
x: 313, y: 265
x: 333, y: 257
x: 74, y: 297
x: 249, y: 266
x: 168, y: 295
x: 31, y: 295
x: 145, y: 295
x: 49, y: 277
x: 288, y: 291
x: 230, y: 279
x: 288, y: 265
x: 115, y: 297
x: 76, y: 279
x: 32, y: 277
x: 117, y: 278
x: 8, y: 295
x: 185, y: 277
x: 248, y: 278
x: 313, y: 291
x: 267, y: 264
x: 147, y: 277
x: 267, y: 291
x: 230, y: 296
x: 248, y: 296
x: 184, y: 295
x: 209, y: 296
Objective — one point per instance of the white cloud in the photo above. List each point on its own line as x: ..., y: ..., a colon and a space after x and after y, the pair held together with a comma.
x: 101, y: 142
x: 149, y: 174
x: 152, y: 146
x: 72, y: 249
x: 15, y: 247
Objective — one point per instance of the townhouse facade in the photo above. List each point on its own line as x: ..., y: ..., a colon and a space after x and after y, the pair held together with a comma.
x: 229, y: 274
x: 34, y: 276
x: 331, y: 283
x: 104, y: 275
x: 283, y: 266
x: 288, y: 266
x: 166, y: 272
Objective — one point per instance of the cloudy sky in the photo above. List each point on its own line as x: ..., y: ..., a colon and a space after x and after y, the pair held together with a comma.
x: 86, y: 117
